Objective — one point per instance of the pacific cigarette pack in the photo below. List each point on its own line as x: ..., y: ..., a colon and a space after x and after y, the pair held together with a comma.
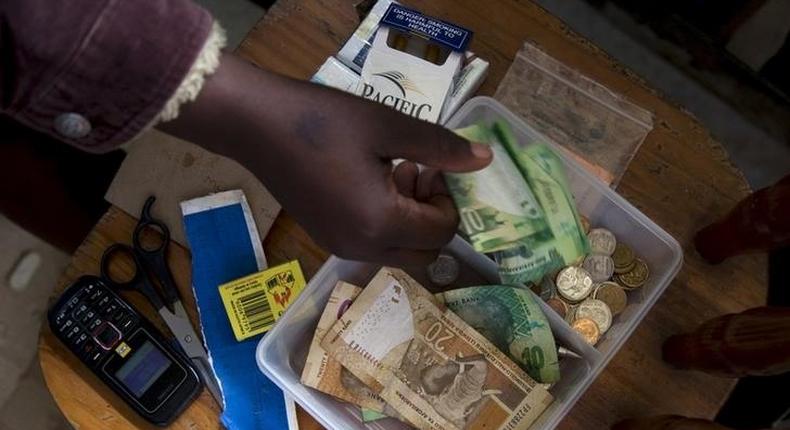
x: 335, y: 74
x: 355, y: 50
x: 466, y: 83
x: 413, y: 62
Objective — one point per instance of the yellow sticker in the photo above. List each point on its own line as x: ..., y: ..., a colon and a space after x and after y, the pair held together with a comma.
x: 123, y: 349
x: 255, y: 302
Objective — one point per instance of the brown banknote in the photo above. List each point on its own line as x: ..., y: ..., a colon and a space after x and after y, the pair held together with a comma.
x: 429, y: 365
x: 327, y: 375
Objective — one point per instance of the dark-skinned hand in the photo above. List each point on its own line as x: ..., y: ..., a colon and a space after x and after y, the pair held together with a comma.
x: 327, y: 158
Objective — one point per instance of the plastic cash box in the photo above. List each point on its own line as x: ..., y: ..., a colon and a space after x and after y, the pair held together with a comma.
x: 281, y: 353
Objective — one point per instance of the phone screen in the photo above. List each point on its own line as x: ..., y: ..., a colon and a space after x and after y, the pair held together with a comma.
x: 143, y: 369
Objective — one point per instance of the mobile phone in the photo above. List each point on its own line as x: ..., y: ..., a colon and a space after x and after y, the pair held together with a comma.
x: 124, y: 350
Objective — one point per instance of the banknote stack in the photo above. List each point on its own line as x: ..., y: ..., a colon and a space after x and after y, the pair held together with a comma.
x: 521, y: 212
x: 396, y: 350
x: 590, y: 294
x: 520, y: 208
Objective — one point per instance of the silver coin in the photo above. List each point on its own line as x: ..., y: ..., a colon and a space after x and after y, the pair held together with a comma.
x: 443, y: 271
x: 602, y: 241
x: 574, y: 283
x: 600, y: 267
x: 597, y: 311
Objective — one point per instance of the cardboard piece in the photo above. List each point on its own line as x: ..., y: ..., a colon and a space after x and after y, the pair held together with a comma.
x: 175, y: 170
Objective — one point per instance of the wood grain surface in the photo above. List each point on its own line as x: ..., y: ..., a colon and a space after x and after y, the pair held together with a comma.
x: 681, y: 178
x: 86, y: 401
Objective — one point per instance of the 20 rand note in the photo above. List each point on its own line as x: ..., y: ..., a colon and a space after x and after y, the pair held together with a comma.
x: 429, y: 365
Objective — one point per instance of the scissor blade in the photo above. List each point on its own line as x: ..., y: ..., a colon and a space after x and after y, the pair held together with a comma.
x: 207, y: 374
x: 182, y: 329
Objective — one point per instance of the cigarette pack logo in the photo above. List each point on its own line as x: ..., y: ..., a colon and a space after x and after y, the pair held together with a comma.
x: 401, y: 81
x: 393, y: 93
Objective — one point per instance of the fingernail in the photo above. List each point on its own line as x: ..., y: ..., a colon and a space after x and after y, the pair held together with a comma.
x: 480, y: 150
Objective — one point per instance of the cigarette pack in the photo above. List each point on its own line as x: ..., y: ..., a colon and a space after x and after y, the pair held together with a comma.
x: 413, y: 62
x: 465, y: 85
x: 335, y: 74
x: 355, y: 50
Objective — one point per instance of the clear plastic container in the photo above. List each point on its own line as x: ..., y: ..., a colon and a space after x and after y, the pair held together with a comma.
x: 281, y: 353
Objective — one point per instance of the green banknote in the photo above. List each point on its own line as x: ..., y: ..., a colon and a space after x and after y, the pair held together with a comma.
x: 529, y: 261
x: 496, y: 206
x: 369, y: 415
x: 520, y: 208
x: 429, y: 365
x: 512, y: 320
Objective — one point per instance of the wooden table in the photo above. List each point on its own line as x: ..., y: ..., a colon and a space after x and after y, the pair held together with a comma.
x: 681, y: 178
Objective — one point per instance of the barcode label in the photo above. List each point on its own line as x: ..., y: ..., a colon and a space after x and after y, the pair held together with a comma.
x: 256, y: 312
x: 254, y: 303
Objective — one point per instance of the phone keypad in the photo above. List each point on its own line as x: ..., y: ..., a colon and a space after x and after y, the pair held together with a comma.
x: 81, y: 339
x: 127, y: 323
x: 80, y: 311
x: 103, y: 301
x: 91, y: 352
x: 73, y: 332
x: 92, y: 322
x: 88, y: 317
x: 95, y: 295
x: 107, y: 335
x: 66, y: 326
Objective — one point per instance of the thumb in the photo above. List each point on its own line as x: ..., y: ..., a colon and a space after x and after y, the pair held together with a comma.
x: 435, y: 146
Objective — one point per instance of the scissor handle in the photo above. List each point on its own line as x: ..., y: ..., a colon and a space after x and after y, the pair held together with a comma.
x: 146, y: 220
x: 139, y: 281
x: 155, y: 259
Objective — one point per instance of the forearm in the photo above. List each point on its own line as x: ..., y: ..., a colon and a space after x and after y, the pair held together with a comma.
x: 257, y: 118
x: 270, y: 124
x: 232, y: 115
x: 326, y: 157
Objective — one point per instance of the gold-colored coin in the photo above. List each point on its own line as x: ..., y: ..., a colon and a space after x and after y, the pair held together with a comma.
x: 625, y: 269
x: 622, y: 256
x: 636, y: 277
x: 588, y: 330
x: 559, y: 306
x: 613, y: 295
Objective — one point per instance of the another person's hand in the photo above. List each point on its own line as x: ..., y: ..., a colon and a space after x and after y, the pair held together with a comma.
x: 327, y: 158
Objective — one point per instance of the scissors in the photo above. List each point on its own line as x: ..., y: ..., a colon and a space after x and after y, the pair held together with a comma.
x: 150, y: 267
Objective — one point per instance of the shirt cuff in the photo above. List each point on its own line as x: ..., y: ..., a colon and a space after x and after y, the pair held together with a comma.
x: 205, y: 65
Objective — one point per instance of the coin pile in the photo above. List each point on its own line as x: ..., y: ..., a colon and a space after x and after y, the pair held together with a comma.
x: 589, y: 295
